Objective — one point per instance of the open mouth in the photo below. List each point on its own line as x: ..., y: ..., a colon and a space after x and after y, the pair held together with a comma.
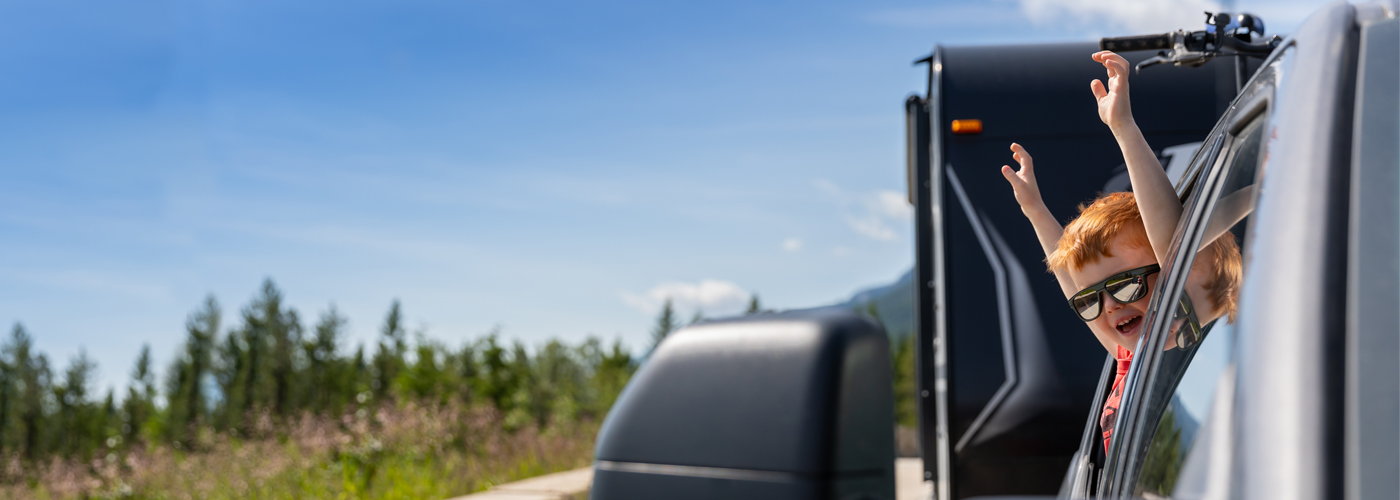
x: 1127, y: 325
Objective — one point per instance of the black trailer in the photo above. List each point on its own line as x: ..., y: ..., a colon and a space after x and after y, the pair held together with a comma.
x: 1006, y: 370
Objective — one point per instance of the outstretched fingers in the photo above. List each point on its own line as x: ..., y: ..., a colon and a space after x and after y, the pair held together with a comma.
x: 1116, y: 62
x: 1112, y: 61
x: 1010, y: 175
x: 1019, y: 154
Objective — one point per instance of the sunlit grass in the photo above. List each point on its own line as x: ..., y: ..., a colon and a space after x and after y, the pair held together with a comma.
x: 408, y: 452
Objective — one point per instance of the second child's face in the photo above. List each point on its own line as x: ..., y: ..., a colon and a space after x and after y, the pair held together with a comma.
x: 1120, y: 324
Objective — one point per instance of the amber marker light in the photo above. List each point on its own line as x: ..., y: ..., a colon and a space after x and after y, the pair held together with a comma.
x: 967, y: 126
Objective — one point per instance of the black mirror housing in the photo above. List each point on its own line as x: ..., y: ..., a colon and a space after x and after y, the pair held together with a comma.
x: 795, y: 405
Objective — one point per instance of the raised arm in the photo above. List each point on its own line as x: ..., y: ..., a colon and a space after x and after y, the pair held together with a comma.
x: 1156, y: 198
x: 1047, y: 229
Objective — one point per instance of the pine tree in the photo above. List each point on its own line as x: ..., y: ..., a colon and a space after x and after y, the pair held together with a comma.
x: 229, y: 369
x: 269, y: 331
x: 519, y: 369
x: 323, y: 358
x: 202, y: 325
x: 106, y: 425
x: 254, y: 344
x: 360, y: 377
x: 388, y: 361
x: 495, y: 382
x: 610, y: 375
x: 30, y: 373
x: 286, y: 334
x: 468, y: 372
x: 8, y: 374
x: 557, y: 380
x: 754, y: 306
x: 139, y: 405
x: 177, y: 392
x: 73, y: 406
x: 252, y: 350
x: 425, y: 378
x: 34, y: 372
x: 665, y: 324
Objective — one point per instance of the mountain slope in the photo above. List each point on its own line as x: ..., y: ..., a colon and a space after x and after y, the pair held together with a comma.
x: 894, y: 303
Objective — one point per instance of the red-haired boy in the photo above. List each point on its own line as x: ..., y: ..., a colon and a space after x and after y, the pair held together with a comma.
x: 1105, y: 260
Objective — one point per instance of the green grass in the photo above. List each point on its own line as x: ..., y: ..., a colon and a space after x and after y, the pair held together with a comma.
x: 412, y: 452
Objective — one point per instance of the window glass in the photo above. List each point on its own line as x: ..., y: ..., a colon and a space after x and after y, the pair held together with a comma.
x: 1201, y: 334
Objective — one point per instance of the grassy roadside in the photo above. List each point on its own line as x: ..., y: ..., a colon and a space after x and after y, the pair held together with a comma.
x: 413, y: 451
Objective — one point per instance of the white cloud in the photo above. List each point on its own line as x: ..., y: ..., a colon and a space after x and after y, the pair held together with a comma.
x: 1130, y: 16
x: 712, y: 297
x: 841, y: 251
x: 893, y: 204
x: 873, y: 214
x: 792, y: 244
x: 983, y: 13
x: 872, y: 226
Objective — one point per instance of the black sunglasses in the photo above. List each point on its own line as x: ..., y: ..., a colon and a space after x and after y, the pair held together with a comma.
x: 1125, y: 287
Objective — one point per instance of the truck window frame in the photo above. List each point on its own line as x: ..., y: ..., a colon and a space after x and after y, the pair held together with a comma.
x: 1199, y: 190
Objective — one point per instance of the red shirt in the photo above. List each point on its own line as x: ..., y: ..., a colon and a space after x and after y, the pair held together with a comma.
x: 1110, y: 407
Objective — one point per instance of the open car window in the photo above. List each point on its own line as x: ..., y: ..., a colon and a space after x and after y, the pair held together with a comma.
x: 1191, y: 347
x: 1197, y: 341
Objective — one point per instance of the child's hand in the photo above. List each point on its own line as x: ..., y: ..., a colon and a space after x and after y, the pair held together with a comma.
x: 1023, y: 182
x: 1114, y: 108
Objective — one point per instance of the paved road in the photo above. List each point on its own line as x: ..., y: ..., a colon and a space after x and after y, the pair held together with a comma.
x: 908, y: 477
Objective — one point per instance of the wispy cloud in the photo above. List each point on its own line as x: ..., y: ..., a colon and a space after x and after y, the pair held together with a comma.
x: 892, y: 204
x: 872, y: 214
x: 984, y: 13
x: 712, y: 297
x: 103, y: 283
x: 872, y: 226
x: 1137, y: 16
x: 1089, y: 18
x: 792, y: 244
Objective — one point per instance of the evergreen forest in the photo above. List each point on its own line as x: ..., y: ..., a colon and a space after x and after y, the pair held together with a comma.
x: 269, y: 404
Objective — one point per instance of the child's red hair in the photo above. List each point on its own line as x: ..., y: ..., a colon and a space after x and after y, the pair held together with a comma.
x: 1091, y: 233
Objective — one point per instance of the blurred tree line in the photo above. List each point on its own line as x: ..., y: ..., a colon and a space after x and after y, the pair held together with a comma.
x: 902, y: 364
x: 270, y: 363
x: 902, y: 352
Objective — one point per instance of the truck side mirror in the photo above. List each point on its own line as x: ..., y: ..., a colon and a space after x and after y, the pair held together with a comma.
x: 773, y: 406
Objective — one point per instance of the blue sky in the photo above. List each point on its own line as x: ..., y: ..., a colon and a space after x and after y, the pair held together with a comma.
x: 554, y: 169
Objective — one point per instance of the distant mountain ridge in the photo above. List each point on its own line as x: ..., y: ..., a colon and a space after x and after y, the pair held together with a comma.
x: 894, y: 303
